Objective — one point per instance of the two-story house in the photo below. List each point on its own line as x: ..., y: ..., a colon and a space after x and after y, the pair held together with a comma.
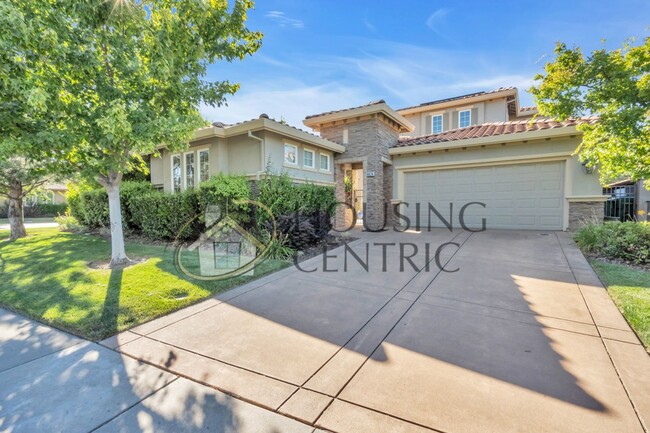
x: 477, y: 159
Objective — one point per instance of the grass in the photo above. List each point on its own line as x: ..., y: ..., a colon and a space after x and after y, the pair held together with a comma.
x: 45, y: 276
x: 630, y: 290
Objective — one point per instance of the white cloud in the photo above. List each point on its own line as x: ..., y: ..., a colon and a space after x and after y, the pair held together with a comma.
x: 435, y: 21
x: 291, y: 101
x: 283, y: 20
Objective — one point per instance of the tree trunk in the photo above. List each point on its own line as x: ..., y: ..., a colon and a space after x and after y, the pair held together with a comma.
x: 15, y: 214
x: 118, y: 253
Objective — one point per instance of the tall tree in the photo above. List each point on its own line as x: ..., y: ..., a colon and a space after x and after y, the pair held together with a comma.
x: 615, y: 86
x: 144, y: 78
x: 35, y: 59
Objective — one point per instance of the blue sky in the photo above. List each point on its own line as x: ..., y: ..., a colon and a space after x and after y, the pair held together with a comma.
x: 324, y: 55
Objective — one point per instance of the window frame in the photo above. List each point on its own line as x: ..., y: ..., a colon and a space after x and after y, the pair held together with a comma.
x: 442, y: 123
x: 197, y: 169
x: 180, y: 165
x: 193, y: 153
x: 329, y: 162
x: 469, y: 119
x: 313, y: 158
x: 284, y: 156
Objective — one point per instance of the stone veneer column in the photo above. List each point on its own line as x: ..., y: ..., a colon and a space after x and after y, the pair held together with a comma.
x: 343, y: 217
x: 581, y: 213
x: 368, y: 142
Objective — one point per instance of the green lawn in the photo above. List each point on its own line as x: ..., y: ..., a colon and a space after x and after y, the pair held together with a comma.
x: 630, y: 290
x: 45, y: 276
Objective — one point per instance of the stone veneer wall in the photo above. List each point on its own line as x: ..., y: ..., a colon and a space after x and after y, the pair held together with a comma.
x: 584, y: 212
x: 368, y: 142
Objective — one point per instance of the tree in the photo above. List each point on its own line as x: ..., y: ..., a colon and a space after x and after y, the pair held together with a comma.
x: 18, y: 178
x: 143, y: 77
x: 34, y: 84
x: 615, y: 86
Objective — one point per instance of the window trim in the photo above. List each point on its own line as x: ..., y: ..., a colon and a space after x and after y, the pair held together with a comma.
x: 184, y: 169
x: 313, y: 158
x: 171, y: 159
x: 197, y: 171
x: 329, y: 162
x: 284, y: 155
x: 442, y: 123
x: 468, y: 110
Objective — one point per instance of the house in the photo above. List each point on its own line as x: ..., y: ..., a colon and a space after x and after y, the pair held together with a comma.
x: 473, y: 159
x: 246, y: 148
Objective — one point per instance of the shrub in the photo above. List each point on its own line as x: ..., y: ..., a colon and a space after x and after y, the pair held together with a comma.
x: 90, y: 206
x: 68, y: 223
x: 44, y: 210
x: 629, y: 241
x: 224, y: 191
x: 303, y: 212
x: 278, y: 248
x: 167, y: 216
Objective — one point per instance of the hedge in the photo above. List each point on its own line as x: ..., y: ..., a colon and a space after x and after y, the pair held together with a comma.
x: 161, y: 216
x: 39, y: 210
x: 90, y: 206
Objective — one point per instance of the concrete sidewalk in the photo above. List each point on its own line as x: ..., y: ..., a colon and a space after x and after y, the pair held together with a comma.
x: 51, y: 381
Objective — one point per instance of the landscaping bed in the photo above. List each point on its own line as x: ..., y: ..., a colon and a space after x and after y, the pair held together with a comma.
x: 46, y: 276
x: 620, y: 255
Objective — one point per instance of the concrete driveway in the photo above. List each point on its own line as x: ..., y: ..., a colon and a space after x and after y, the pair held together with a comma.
x: 522, y: 337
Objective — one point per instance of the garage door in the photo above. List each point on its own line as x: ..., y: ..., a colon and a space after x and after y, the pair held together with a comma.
x: 517, y: 196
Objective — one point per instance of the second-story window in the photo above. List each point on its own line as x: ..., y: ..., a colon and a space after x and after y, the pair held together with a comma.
x: 308, y: 158
x: 436, y: 124
x: 464, y: 118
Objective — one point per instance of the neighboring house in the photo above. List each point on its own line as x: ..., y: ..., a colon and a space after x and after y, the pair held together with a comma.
x: 443, y: 154
x: 53, y: 193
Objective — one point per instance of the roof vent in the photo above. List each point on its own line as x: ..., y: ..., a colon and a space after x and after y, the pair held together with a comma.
x: 264, y: 116
x: 218, y: 124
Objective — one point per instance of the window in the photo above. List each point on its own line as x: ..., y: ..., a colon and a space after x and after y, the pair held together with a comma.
x: 436, y: 124
x: 290, y: 154
x: 189, y: 170
x: 325, y: 162
x: 345, y: 136
x: 308, y: 158
x: 464, y: 118
x: 204, y: 165
x: 176, y: 173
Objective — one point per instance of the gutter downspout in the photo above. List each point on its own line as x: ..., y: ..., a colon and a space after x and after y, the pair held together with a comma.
x: 262, y: 152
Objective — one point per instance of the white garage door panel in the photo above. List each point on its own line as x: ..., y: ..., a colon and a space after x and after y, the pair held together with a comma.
x: 518, y: 196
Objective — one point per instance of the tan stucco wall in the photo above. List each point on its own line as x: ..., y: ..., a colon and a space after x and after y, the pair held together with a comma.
x: 484, y: 111
x: 275, y: 154
x: 243, y: 155
x: 578, y: 185
x: 581, y: 184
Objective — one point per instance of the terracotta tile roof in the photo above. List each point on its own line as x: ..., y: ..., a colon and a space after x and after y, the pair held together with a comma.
x: 380, y: 101
x: 525, y: 109
x: 493, y: 129
x: 456, y: 98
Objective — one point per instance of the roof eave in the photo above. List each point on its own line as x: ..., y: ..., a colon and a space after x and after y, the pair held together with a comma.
x: 269, y: 125
x: 454, y: 102
x: 316, y: 121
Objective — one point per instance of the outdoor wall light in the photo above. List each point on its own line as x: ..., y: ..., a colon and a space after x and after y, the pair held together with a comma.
x: 586, y: 168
